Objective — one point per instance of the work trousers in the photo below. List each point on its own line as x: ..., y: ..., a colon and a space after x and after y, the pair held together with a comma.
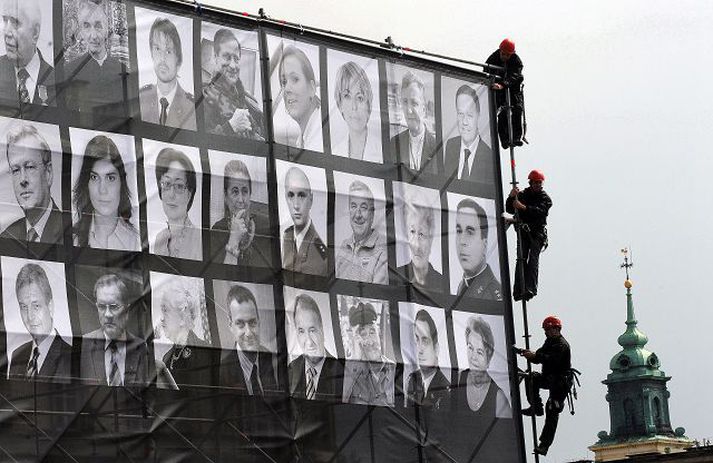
x: 557, y: 385
x: 531, y: 248
x: 516, y: 125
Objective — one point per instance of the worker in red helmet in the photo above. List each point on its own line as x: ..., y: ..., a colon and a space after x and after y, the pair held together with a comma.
x: 508, y: 80
x: 555, y: 357
x: 530, y: 207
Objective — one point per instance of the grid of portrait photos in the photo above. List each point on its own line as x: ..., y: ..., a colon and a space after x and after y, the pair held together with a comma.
x: 191, y: 201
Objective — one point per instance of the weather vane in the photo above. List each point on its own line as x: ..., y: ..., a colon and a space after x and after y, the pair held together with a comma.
x: 627, y: 262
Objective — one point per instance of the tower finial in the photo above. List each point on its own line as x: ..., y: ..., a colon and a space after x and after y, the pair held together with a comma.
x: 628, y: 263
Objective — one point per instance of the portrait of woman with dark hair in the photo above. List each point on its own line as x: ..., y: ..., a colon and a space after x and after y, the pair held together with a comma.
x: 102, y: 200
x: 176, y: 179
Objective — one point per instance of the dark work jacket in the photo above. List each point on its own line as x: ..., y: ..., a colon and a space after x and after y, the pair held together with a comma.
x: 555, y: 357
x: 538, y: 206
x: 512, y: 78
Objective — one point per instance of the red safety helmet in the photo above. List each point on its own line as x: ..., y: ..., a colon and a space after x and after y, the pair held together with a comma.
x: 551, y: 322
x: 507, y: 46
x: 536, y: 175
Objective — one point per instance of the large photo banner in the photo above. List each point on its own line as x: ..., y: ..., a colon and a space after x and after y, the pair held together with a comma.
x: 228, y: 240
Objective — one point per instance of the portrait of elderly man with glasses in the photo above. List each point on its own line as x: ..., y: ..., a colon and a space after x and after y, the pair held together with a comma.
x: 30, y: 162
x: 111, y: 355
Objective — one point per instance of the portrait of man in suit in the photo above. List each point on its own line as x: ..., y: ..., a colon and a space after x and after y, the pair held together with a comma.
x: 478, y: 279
x: 316, y: 373
x: 362, y: 256
x: 46, y: 356
x: 468, y: 157
x: 303, y: 250
x: 25, y: 75
x: 415, y: 147
x: 229, y: 108
x: 427, y: 386
x: 166, y: 102
x: 95, y: 81
x: 111, y: 355
x: 249, y: 365
x: 30, y: 160
x: 419, y: 220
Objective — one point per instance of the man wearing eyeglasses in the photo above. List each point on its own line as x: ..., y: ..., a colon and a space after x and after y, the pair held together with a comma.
x: 250, y: 365
x: 46, y: 355
x: 165, y: 102
x: 362, y: 256
x: 111, y: 355
x: 30, y: 162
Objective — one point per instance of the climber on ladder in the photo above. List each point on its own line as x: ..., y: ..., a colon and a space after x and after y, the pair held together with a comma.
x: 508, y: 81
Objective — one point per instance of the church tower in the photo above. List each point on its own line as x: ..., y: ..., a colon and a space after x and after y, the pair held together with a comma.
x: 637, y: 396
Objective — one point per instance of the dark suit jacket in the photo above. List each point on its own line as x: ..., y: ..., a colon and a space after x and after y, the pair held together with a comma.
x: 92, y: 369
x: 310, y: 258
x: 52, y: 233
x: 181, y: 111
x: 330, y: 379
x: 438, y: 390
x: 90, y: 87
x: 231, y: 373
x: 57, y: 366
x: 483, y: 169
x: 434, y: 280
x: 431, y: 157
x: 194, y: 364
x: 45, y: 78
x: 259, y: 253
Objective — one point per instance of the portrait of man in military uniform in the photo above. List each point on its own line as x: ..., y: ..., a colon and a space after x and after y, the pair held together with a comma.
x: 471, y: 249
x: 303, y: 250
x: 164, y: 101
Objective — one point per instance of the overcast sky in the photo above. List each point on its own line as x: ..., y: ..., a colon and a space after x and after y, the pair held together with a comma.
x: 619, y: 108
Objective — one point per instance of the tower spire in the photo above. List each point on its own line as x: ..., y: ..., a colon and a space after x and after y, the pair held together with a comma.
x: 632, y: 337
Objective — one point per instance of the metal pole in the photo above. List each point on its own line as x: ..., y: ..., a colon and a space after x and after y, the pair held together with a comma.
x: 520, y: 263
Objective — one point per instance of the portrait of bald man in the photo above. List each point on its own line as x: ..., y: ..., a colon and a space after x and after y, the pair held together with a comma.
x: 468, y: 157
x: 416, y: 147
x: 315, y: 373
x: 472, y: 234
x: 46, y: 356
x: 303, y: 250
x: 31, y: 171
x: 25, y: 75
x: 362, y: 256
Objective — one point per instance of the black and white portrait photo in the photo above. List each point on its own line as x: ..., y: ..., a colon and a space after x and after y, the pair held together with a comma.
x: 483, y: 387
x: 314, y: 371
x: 370, y: 362
x: 27, y: 53
x: 412, y: 120
x: 173, y: 199
x: 105, y: 199
x: 239, y: 212
x: 232, y: 82
x: 354, y: 106
x: 473, y: 248
x: 182, y: 340
x: 417, y: 222
x: 302, y: 200
x: 360, y: 229
x: 96, y: 53
x: 114, y: 351
x: 36, y: 318
x: 295, y: 84
x: 425, y: 355
x: 30, y: 201
x: 465, y: 111
x: 164, y: 49
x: 245, y: 313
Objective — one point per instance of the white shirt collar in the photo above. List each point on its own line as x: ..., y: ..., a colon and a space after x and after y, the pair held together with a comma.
x: 299, y: 237
x: 40, y: 225
x: 33, y: 69
x: 100, y: 61
x: 44, y: 348
x: 461, y: 158
x: 416, y: 148
x: 169, y: 96
x: 427, y: 380
x: 311, y: 138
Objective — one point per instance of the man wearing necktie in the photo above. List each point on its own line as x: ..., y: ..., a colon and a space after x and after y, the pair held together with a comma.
x: 166, y: 102
x: 46, y: 356
x: 30, y: 164
x: 478, y: 279
x: 468, y: 157
x: 315, y: 374
x: 250, y: 365
x: 427, y: 385
x: 25, y: 76
x: 111, y: 355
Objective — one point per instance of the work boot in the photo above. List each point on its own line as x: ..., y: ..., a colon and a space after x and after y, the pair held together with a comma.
x: 541, y: 450
x: 537, y: 410
x: 517, y: 143
x: 506, y: 144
